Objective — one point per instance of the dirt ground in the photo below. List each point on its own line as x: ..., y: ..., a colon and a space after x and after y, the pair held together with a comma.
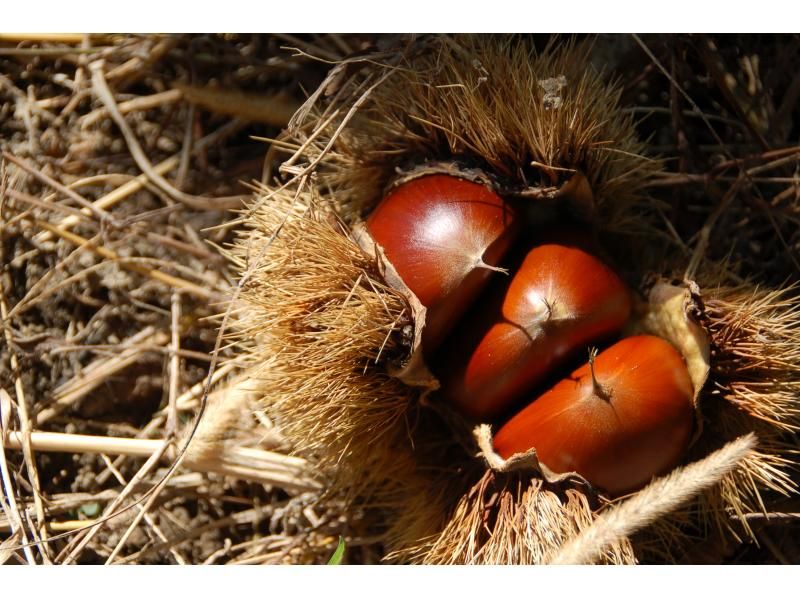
x: 124, y: 161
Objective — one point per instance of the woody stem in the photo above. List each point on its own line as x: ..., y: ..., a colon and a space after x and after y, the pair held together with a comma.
x: 599, y: 390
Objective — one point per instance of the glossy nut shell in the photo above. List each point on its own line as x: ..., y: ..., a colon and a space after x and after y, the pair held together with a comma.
x: 440, y: 232
x: 560, y: 300
x: 636, y: 426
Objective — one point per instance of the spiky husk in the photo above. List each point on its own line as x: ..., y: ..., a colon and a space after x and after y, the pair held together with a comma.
x: 511, y: 518
x: 754, y: 386
x: 530, y: 118
x: 757, y: 335
x: 317, y: 324
x: 321, y: 322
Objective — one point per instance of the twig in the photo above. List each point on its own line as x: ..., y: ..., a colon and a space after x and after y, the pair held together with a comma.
x: 8, y: 550
x: 62, y: 503
x: 134, y: 524
x: 265, y: 467
x: 792, y: 158
x: 137, y: 104
x: 70, y: 526
x: 675, y: 179
x: 71, y: 52
x: 184, y: 402
x: 307, y: 47
x: 677, y: 86
x: 193, y: 250
x: 22, y: 100
x: 81, y: 542
x: 97, y: 372
x: 12, y: 511
x: 79, y: 90
x: 131, y: 187
x: 99, y: 213
x: 53, y: 38
x: 274, y: 110
x: 24, y: 419
x: 168, y: 279
x: 772, y: 516
x: 37, y: 293
x: 193, y: 201
x: 770, y: 155
x: 33, y: 131
x: 45, y: 205
x: 132, y: 70
x: 174, y: 366
x: 186, y: 148
x: 249, y: 516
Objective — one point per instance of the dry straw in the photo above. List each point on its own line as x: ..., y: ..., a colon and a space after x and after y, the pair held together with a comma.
x: 107, y: 283
x: 322, y: 329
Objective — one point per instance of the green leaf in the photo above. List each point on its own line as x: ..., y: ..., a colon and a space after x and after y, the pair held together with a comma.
x: 90, y: 509
x: 338, y: 554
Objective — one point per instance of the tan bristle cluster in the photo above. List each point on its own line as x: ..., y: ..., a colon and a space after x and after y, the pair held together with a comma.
x: 753, y: 386
x: 756, y: 336
x: 318, y: 326
x: 511, y: 518
x: 531, y: 118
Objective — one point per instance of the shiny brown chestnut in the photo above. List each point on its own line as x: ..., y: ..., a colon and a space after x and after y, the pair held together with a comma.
x: 561, y: 299
x: 444, y: 236
x: 619, y: 420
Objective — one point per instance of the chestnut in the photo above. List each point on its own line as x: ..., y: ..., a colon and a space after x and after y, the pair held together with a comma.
x: 561, y: 299
x: 444, y: 236
x: 619, y: 420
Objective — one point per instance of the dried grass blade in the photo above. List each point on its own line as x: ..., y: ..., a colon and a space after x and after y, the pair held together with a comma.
x: 25, y: 424
x: 662, y: 496
x: 274, y: 110
x: 265, y: 467
x: 193, y: 201
x: 97, y: 372
x: 11, y: 509
x: 168, y: 279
